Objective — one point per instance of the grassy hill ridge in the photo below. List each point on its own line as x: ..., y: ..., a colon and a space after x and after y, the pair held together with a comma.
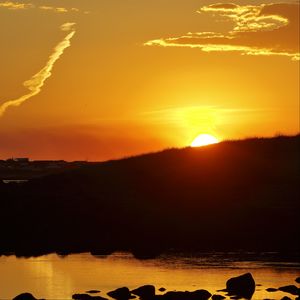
x: 228, y: 196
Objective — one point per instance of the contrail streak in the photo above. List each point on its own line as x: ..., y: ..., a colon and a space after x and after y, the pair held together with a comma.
x: 36, y: 82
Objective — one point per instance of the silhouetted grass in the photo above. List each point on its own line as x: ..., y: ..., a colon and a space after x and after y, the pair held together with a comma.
x: 228, y: 196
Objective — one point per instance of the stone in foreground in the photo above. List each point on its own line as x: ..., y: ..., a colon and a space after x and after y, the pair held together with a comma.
x: 122, y: 293
x: 217, y: 297
x: 242, y: 286
x: 93, y: 291
x: 271, y: 290
x: 87, y: 297
x: 145, y: 291
x: 25, y: 296
x: 196, y: 295
x: 291, y: 289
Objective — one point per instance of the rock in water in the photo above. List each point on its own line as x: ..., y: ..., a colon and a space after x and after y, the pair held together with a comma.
x: 120, y: 294
x: 217, y: 297
x: 93, y: 291
x: 241, y: 286
x: 291, y: 289
x: 196, y: 295
x: 271, y: 290
x: 202, y: 294
x: 87, y: 297
x: 25, y: 296
x: 145, y: 291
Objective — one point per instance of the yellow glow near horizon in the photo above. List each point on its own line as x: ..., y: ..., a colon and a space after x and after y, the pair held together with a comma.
x: 204, y: 140
x: 110, y: 97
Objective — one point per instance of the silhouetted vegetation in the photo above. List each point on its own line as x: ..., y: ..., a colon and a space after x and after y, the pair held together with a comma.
x: 229, y: 196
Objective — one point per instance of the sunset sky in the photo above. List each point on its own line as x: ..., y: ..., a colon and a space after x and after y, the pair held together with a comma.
x: 101, y: 79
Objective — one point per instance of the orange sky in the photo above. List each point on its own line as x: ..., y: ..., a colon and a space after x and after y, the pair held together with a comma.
x: 104, y: 79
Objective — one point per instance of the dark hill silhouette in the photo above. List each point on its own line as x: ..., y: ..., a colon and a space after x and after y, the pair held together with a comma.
x: 229, y: 196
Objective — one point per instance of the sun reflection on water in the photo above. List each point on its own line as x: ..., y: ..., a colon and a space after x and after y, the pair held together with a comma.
x: 53, y: 277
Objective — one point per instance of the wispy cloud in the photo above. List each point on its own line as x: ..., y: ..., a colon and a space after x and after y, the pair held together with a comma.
x: 55, y: 9
x: 67, y: 26
x: 22, y: 6
x: 266, y: 29
x: 37, y: 81
x: 15, y: 5
x: 247, y: 17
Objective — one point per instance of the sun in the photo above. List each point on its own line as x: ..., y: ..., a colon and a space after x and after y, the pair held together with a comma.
x: 203, y: 140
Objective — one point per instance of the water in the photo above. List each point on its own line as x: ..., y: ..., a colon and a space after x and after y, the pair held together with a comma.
x: 54, y: 277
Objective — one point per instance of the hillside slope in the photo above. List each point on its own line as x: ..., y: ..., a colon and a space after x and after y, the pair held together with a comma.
x: 229, y: 196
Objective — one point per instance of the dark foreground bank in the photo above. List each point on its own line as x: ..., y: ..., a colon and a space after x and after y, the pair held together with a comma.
x: 240, y: 287
x: 226, y: 197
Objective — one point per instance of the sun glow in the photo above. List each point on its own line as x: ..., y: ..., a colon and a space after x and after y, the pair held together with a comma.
x: 203, y: 140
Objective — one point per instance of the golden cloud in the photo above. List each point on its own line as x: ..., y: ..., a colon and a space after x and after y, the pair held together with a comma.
x: 266, y: 29
x: 20, y: 6
x: 15, y: 5
x: 37, y: 81
x: 55, y: 9
x: 67, y: 26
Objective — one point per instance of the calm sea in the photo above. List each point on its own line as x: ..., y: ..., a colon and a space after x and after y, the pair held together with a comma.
x: 54, y: 277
